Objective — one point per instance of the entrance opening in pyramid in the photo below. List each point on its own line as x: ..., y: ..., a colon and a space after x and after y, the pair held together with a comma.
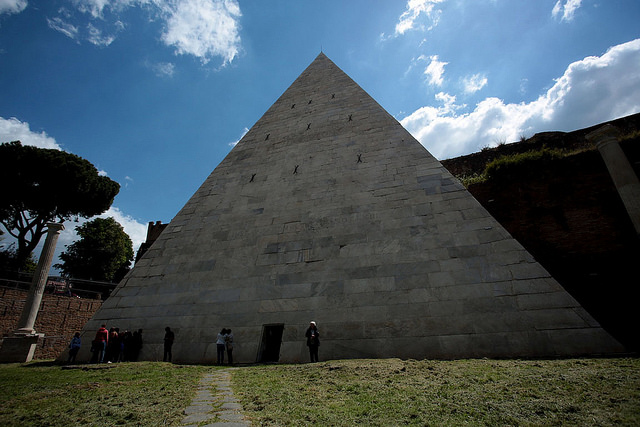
x: 329, y: 210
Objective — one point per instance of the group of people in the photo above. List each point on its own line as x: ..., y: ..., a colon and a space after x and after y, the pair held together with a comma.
x: 113, y: 346
x: 224, y: 342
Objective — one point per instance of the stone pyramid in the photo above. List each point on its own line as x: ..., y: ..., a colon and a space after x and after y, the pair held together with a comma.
x: 329, y: 210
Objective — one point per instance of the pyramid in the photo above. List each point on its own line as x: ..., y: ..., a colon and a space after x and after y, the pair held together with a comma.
x: 329, y: 210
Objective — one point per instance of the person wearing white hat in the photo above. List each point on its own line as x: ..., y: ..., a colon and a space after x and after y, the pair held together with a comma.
x: 313, y: 340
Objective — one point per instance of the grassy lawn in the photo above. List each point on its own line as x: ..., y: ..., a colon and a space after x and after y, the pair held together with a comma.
x: 578, y: 392
x: 145, y: 393
x: 389, y: 392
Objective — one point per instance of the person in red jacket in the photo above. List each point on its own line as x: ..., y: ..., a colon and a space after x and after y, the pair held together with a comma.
x: 102, y: 338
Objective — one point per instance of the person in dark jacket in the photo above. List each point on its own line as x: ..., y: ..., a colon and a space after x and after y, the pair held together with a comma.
x: 313, y: 341
x: 168, y: 343
x: 74, y: 347
x: 228, y: 339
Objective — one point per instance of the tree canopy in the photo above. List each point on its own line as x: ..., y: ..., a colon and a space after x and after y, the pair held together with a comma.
x: 43, y: 185
x: 104, y: 252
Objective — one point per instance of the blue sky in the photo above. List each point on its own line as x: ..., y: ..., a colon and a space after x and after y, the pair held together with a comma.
x: 155, y: 92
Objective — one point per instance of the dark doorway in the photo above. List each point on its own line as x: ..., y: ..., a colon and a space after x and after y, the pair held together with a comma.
x: 270, y: 344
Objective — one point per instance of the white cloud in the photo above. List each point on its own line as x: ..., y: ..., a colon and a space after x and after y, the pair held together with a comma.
x: 448, y: 103
x: 244, y: 132
x: 137, y: 231
x: 565, y: 9
x: 93, y: 7
x: 474, y: 83
x: 435, y: 71
x: 163, y: 69
x: 204, y: 28
x: 93, y: 32
x: 95, y: 36
x: 415, y: 8
x: 96, y: 8
x: 590, y: 91
x: 12, y: 6
x: 63, y: 27
x: 12, y: 129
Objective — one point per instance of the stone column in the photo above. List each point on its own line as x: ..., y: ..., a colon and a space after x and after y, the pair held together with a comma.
x: 32, y: 304
x: 623, y: 175
x: 21, y: 347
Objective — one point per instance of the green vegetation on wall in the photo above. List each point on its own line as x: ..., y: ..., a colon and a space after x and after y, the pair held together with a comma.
x: 515, y: 165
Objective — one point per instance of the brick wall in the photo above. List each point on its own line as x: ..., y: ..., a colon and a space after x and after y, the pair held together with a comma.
x: 58, y: 319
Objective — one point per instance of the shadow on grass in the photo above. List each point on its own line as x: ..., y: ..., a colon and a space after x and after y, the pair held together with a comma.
x: 66, y: 365
x: 42, y: 364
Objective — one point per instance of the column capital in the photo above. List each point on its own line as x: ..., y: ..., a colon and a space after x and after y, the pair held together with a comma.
x: 55, y: 227
x: 603, y: 135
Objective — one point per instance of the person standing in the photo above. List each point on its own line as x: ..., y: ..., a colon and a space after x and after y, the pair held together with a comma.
x: 113, y: 345
x: 168, y: 343
x: 229, y: 344
x: 74, y: 347
x: 220, y: 345
x: 313, y: 341
x: 101, y: 341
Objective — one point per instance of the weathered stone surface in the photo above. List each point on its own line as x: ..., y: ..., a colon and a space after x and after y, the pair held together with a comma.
x: 196, y: 419
x: 353, y: 224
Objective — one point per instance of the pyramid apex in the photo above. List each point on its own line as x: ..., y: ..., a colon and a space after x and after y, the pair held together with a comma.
x: 321, y: 56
